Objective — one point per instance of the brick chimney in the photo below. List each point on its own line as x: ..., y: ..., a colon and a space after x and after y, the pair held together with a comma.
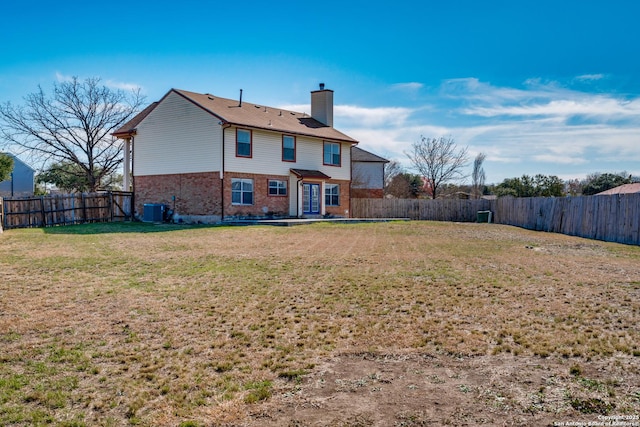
x: 322, y: 105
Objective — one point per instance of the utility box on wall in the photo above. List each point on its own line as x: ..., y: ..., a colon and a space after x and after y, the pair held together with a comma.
x: 153, y: 212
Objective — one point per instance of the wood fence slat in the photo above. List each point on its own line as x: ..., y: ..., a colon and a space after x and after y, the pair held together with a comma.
x: 55, y: 210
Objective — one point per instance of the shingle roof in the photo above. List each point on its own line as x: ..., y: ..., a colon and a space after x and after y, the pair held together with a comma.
x: 128, y: 128
x: 622, y: 189
x: 360, y: 155
x: 263, y: 117
x: 308, y: 173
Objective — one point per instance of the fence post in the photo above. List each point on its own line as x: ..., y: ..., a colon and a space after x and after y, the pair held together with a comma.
x: 132, y: 206
x: 43, y: 211
x: 111, y: 205
x: 84, y: 210
x: 1, y: 214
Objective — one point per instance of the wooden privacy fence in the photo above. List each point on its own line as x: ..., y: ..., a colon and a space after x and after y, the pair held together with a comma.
x: 45, y: 211
x: 460, y: 210
x: 614, y: 218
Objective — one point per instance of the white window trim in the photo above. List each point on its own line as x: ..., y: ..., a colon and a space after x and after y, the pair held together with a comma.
x: 242, y: 191
x: 278, y: 187
x: 326, y: 189
x: 332, y: 144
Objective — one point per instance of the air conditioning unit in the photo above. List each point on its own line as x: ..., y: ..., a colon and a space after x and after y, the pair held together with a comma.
x: 153, y: 212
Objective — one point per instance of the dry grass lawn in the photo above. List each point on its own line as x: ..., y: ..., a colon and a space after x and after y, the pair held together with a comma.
x: 386, y: 324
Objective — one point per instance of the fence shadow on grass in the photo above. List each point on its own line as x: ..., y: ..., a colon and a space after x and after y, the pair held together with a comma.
x: 120, y: 227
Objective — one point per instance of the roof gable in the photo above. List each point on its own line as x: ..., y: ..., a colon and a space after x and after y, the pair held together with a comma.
x: 360, y: 155
x: 129, y: 128
x: 18, y: 163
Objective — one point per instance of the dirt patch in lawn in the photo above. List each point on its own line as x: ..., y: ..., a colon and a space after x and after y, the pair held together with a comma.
x: 427, y: 390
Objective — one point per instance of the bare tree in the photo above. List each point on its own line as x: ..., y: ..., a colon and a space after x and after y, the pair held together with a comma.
x: 478, y: 176
x: 73, y: 126
x: 405, y: 186
x: 392, y: 169
x: 438, y: 160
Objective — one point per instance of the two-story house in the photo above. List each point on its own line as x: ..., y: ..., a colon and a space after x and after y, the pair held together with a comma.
x: 210, y: 158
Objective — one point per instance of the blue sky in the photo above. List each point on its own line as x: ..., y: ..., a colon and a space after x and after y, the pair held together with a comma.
x: 549, y: 87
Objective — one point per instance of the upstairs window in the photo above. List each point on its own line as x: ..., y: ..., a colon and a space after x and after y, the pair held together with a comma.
x: 243, y: 143
x: 332, y: 153
x: 288, y: 148
x: 332, y: 195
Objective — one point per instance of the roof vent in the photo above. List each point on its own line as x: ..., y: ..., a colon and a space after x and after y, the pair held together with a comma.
x: 321, y: 86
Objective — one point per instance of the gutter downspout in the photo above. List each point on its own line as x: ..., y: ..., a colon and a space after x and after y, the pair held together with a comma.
x: 133, y: 182
x: 298, y: 197
x: 224, y: 126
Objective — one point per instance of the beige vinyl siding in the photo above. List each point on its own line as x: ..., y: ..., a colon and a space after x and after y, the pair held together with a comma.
x: 267, y: 155
x: 177, y: 137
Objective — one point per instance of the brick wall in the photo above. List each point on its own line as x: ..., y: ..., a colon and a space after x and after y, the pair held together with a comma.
x: 344, y: 210
x: 367, y: 193
x: 195, y: 193
x: 199, y: 194
x: 263, y: 204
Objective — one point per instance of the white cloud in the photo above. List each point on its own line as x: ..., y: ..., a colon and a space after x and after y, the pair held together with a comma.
x: 590, y: 77
x: 410, y: 87
x: 592, y: 106
x: 62, y: 78
x: 123, y: 85
x: 373, y: 117
x: 108, y: 83
x: 560, y: 160
x: 472, y: 90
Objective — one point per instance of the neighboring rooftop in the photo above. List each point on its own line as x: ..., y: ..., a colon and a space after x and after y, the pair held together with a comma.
x: 622, y: 189
x: 360, y: 155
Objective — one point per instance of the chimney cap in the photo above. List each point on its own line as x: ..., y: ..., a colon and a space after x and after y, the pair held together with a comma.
x: 321, y: 86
